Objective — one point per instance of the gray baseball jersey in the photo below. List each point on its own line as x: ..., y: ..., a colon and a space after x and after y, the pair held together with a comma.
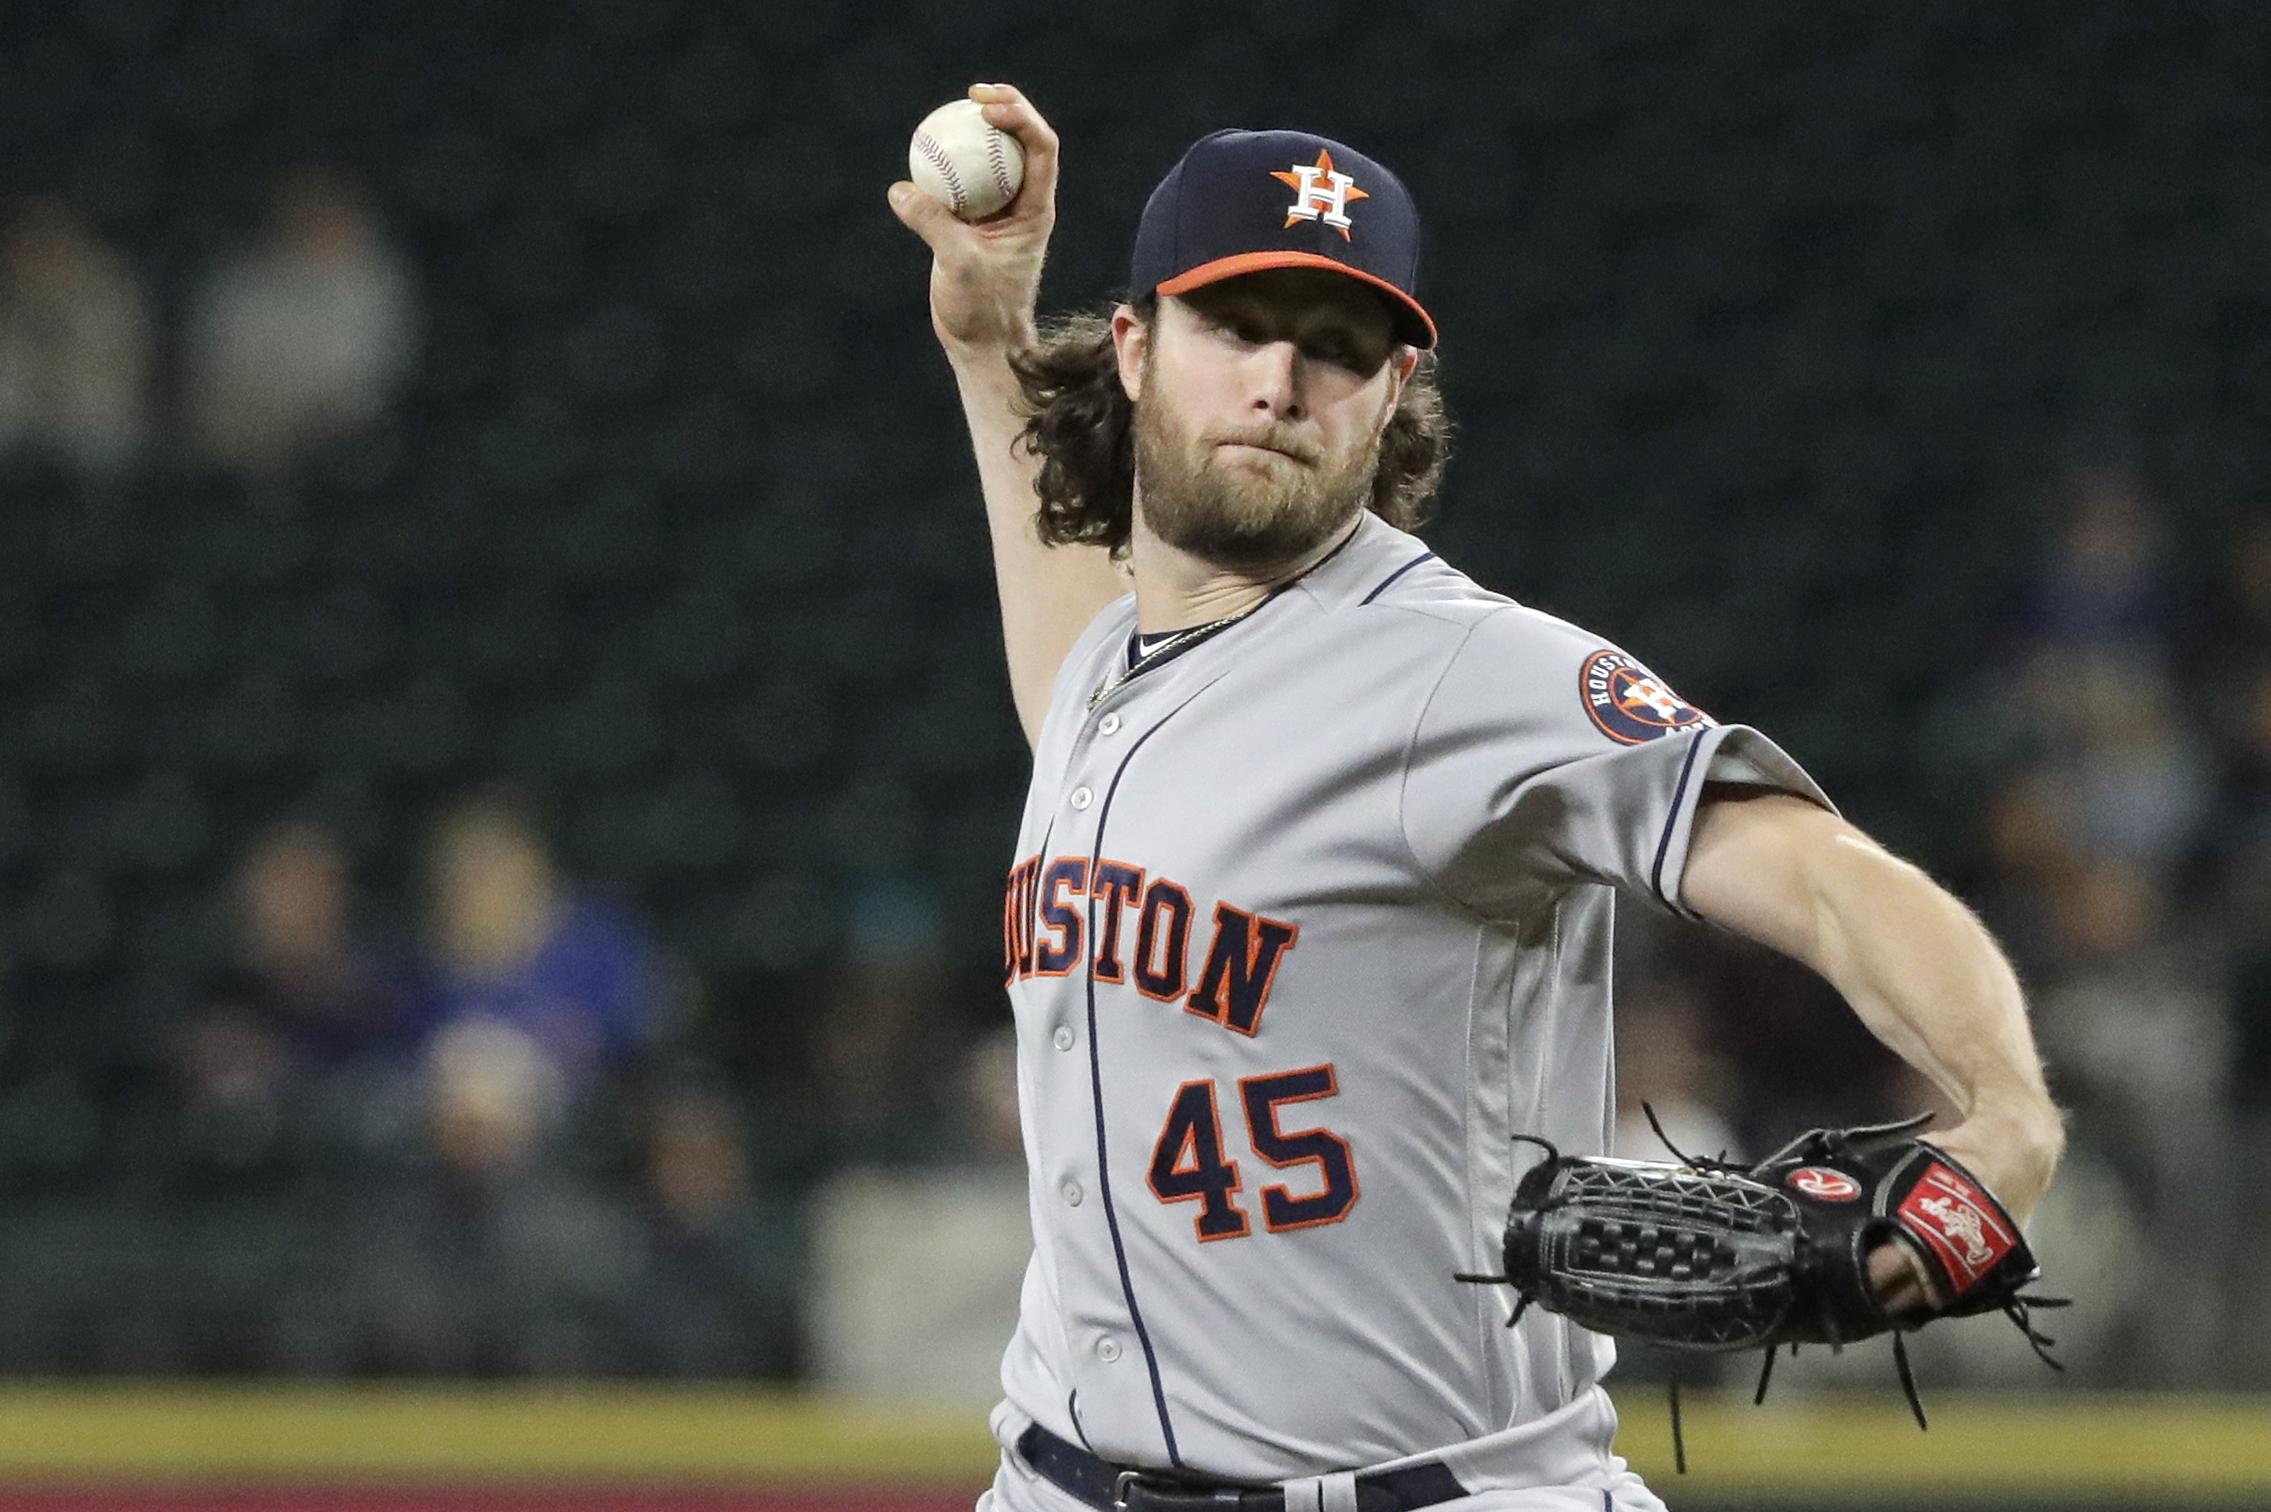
x: 1307, y: 922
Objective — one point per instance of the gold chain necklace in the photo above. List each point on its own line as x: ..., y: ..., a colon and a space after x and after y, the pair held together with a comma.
x: 1168, y: 647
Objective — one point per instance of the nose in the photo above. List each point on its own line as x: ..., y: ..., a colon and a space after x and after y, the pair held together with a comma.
x: 1276, y: 381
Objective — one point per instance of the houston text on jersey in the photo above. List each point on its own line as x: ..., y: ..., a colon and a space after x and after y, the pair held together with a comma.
x: 1044, y: 926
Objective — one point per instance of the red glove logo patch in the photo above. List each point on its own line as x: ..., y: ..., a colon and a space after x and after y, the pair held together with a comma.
x: 1960, y: 1223
x: 1825, y: 1185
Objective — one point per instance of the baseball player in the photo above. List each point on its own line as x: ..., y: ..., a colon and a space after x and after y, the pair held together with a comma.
x: 1310, y: 912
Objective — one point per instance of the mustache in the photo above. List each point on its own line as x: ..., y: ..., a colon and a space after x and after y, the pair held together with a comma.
x: 1269, y: 438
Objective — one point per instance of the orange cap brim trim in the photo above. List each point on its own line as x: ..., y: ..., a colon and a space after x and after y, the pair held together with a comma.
x: 1255, y: 262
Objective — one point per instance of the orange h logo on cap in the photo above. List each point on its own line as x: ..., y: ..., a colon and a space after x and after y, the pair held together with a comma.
x: 1320, y: 192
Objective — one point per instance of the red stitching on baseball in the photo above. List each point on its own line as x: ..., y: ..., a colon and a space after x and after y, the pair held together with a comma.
x: 929, y: 148
x: 1001, y: 164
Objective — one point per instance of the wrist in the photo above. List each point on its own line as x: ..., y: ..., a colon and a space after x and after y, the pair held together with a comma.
x: 988, y: 353
x: 2028, y: 1119
x: 983, y: 316
x: 2013, y: 1146
x: 983, y: 374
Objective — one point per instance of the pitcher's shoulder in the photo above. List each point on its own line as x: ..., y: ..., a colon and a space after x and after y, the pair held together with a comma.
x: 1427, y: 589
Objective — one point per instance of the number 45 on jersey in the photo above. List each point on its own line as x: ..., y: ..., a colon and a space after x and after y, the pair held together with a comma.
x: 1188, y: 1163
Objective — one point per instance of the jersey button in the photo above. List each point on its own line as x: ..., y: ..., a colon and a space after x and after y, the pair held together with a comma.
x: 1108, y: 725
x: 1082, y: 797
x: 1072, y: 1193
x: 1108, y: 1349
x: 1062, y: 1039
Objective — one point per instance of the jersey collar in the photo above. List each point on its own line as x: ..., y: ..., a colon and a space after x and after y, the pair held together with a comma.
x: 1373, y: 551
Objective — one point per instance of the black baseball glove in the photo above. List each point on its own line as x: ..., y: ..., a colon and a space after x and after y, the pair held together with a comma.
x: 1708, y: 1255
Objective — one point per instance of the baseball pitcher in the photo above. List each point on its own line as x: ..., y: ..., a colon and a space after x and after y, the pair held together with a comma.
x: 1309, y: 914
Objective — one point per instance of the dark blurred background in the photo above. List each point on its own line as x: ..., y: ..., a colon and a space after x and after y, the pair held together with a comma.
x: 505, y: 762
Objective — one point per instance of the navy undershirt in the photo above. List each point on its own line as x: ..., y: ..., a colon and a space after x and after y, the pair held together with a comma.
x: 1141, y: 645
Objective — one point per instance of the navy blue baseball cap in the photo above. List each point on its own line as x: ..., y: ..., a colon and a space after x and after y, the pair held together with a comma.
x: 1242, y: 201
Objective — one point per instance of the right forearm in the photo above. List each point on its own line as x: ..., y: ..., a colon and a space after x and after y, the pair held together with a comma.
x: 1048, y: 593
x: 992, y: 408
x: 983, y: 283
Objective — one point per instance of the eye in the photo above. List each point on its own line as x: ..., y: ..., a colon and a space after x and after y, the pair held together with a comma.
x: 1342, y: 351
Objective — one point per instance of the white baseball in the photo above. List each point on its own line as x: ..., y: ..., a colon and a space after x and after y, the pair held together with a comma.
x: 970, y: 167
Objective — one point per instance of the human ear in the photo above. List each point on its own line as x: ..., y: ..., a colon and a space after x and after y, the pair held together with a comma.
x: 1131, y: 340
x: 1401, y: 365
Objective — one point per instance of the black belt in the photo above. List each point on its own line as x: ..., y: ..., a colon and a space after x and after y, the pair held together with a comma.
x: 1116, y: 1488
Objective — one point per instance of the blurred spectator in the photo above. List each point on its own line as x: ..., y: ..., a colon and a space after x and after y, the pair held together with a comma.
x: 2103, y: 588
x: 1800, y: 1058
x: 2096, y: 833
x: 305, y: 1023
x: 1668, y: 1066
x: 2239, y: 692
x: 519, y: 1269
x: 493, y: 1096
x: 2238, y: 629
x: 887, y: 1032
x: 2133, y: 1015
x: 2136, y: 779
x: 536, y: 991
x: 512, y: 1248
x: 2236, y: 690
x: 718, y: 1296
x: 304, y: 338
x: 2135, y: 1026
x: 2093, y: 701
x: 1735, y: 1047
x: 989, y: 1122
x: 2031, y: 850
x: 2243, y: 883
x: 75, y: 342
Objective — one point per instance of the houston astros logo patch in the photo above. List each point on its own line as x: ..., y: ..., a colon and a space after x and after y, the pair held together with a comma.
x: 1627, y: 702
x: 1321, y: 192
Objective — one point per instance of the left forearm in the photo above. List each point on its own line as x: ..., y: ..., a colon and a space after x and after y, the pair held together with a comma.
x: 1914, y: 963
x: 1925, y: 977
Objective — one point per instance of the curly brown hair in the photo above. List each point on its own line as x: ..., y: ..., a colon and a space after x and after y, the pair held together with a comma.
x: 1080, y: 423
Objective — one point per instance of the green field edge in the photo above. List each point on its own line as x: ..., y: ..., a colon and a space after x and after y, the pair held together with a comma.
x: 1826, y: 1450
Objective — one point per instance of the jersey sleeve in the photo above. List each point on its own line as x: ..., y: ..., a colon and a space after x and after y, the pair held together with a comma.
x: 1546, y: 758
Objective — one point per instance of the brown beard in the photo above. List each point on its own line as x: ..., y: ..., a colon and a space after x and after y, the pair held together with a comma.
x: 1239, y: 521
